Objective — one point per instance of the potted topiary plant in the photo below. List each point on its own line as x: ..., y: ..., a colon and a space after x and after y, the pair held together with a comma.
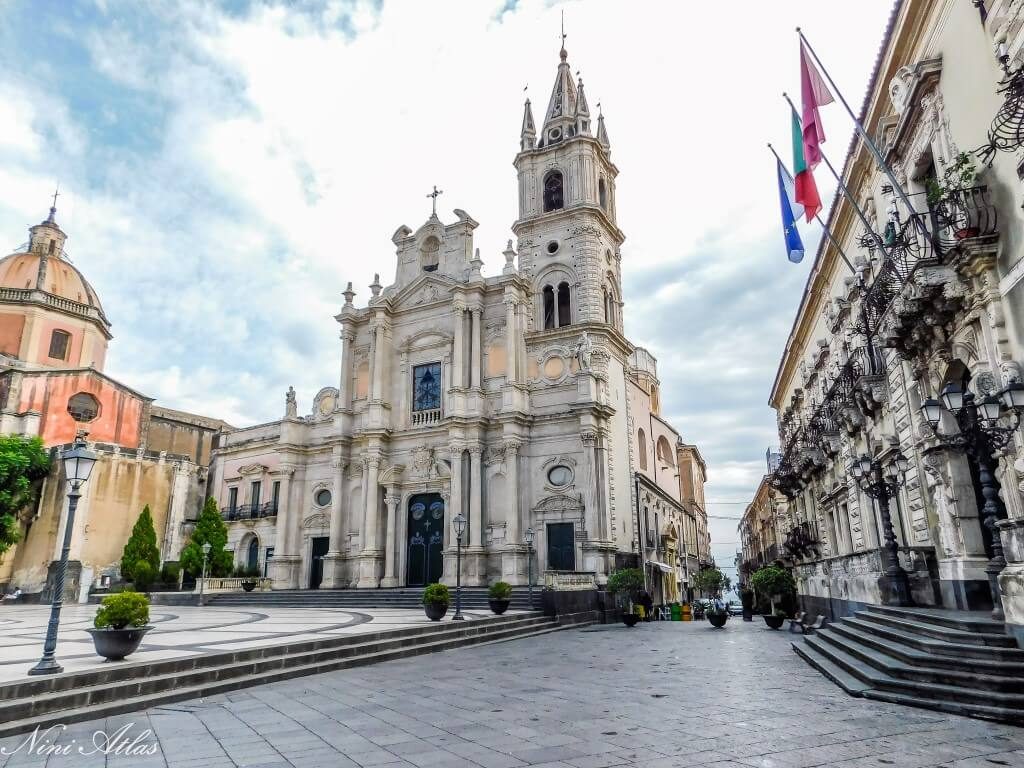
x: 499, y: 596
x: 713, y: 581
x: 949, y: 195
x: 435, y: 601
x: 120, y: 624
x: 747, y: 601
x: 775, y: 619
x: 625, y: 585
x: 773, y: 581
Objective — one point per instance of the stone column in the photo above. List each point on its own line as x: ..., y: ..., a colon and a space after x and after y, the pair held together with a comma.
x: 369, y: 556
x: 392, y: 500
x: 379, y: 362
x: 332, y: 560
x: 456, y: 484
x: 372, y: 504
x: 286, y: 557
x: 474, y: 365
x: 476, y: 535
x: 347, y: 383
x: 601, y: 460
x: 459, y: 343
x: 590, y: 511
x: 511, y: 335
x: 512, y: 535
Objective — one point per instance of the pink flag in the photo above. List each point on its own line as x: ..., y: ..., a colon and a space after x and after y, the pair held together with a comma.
x: 814, y: 93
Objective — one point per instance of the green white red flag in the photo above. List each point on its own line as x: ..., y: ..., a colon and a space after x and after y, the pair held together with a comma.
x: 806, y: 191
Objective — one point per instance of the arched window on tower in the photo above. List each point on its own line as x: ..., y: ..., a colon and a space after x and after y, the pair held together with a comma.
x: 602, y: 194
x: 564, y: 311
x: 428, y: 254
x: 641, y: 448
x: 553, y: 198
x: 549, y: 307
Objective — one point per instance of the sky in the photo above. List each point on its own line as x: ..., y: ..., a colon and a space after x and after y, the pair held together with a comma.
x: 226, y: 168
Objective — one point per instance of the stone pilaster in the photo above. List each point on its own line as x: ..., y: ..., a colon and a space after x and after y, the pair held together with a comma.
x: 391, y: 501
x: 333, y: 576
x: 369, y: 556
x: 475, y: 496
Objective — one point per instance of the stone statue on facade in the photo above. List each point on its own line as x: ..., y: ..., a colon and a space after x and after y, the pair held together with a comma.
x: 291, y: 407
x: 584, y: 350
x: 942, y: 497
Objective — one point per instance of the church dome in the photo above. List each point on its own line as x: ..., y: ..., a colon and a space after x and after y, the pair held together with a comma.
x: 62, y: 278
x: 44, y: 266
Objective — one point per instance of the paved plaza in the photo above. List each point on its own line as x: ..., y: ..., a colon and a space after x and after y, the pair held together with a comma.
x: 189, y: 630
x: 660, y: 695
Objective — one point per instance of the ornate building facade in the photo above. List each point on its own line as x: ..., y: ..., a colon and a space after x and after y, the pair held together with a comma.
x: 934, y: 303
x: 514, y: 400
x: 53, y: 346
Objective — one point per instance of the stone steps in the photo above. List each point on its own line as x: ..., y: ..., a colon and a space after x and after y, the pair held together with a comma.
x: 915, y: 657
x: 473, y: 598
x: 114, y: 689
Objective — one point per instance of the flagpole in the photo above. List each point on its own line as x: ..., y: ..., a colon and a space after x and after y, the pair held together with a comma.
x: 843, y: 188
x: 860, y: 129
x: 825, y: 229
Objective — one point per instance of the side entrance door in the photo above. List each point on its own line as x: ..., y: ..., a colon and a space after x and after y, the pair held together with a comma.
x: 425, y: 540
x: 561, y: 547
x: 316, y: 565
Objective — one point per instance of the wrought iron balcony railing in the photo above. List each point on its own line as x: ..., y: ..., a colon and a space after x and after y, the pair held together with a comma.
x: 249, y: 511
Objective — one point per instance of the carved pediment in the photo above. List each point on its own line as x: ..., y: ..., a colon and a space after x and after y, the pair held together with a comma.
x: 252, y: 469
x: 428, y: 288
x: 561, y: 504
x: 316, y: 520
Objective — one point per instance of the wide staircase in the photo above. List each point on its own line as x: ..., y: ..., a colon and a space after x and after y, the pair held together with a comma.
x: 128, y: 686
x: 953, y: 661
x: 473, y: 598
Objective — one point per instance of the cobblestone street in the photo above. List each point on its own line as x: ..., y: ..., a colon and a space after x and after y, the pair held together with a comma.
x: 660, y: 695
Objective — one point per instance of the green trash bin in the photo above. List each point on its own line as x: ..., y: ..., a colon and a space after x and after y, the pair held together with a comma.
x: 677, y: 612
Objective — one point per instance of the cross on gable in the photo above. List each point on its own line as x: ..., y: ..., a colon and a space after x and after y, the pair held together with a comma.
x: 433, y: 199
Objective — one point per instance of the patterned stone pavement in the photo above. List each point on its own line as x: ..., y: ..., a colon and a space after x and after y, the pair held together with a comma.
x: 660, y: 695
x: 189, y: 631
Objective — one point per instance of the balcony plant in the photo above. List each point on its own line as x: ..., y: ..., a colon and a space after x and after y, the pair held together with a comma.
x: 499, y: 596
x: 774, y: 582
x: 436, y: 601
x: 625, y: 585
x: 948, y: 194
x: 120, y: 624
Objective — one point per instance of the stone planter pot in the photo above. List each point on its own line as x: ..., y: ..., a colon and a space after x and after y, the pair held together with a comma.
x: 630, y: 619
x: 499, y: 606
x: 773, y: 621
x: 115, y: 644
x: 717, y: 619
x: 435, y: 611
x: 248, y: 586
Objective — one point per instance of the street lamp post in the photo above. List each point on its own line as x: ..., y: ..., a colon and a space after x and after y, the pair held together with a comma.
x: 460, y: 528
x: 529, y: 565
x: 881, y: 483
x: 202, y: 581
x: 980, y: 436
x: 78, y: 464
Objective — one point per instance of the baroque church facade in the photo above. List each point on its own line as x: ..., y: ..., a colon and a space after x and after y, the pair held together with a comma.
x: 512, y: 399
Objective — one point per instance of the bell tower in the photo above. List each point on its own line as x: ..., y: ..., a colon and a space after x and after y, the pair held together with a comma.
x: 567, y: 233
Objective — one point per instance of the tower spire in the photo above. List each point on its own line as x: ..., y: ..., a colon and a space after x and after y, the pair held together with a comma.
x: 602, y: 132
x: 582, y: 111
x: 528, y: 135
x: 560, y: 119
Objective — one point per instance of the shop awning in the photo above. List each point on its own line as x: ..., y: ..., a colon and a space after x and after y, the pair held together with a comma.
x: 660, y: 566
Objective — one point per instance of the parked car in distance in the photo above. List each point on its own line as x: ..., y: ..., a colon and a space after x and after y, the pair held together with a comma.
x: 735, y: 609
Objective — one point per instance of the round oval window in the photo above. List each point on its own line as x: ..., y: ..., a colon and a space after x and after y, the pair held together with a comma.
x: 553, y: 247
x: 83, y: 407
x: 323, y: 497
x: 560, y: 476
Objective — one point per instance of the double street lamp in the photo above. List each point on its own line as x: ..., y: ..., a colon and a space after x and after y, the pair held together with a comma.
x: 459, y: 523
x: 529, y: 564
x: 78, y: 464
x: 981, y: 436
x: 882, y: 482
